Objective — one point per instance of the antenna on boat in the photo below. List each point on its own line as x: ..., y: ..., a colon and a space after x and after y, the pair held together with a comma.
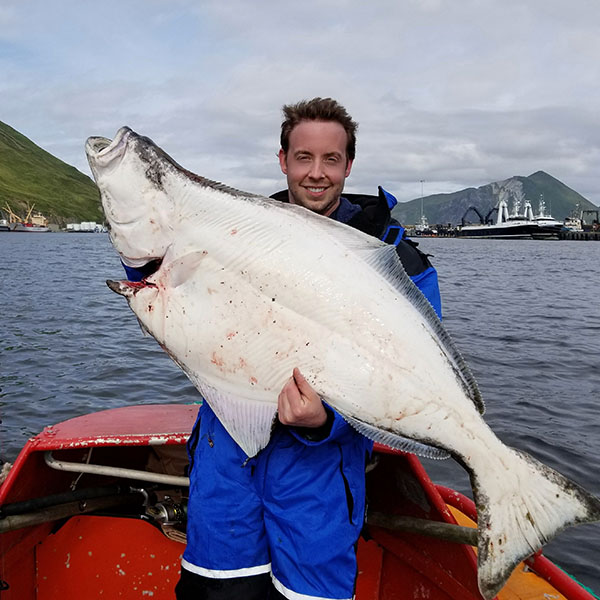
x: 423, y: 223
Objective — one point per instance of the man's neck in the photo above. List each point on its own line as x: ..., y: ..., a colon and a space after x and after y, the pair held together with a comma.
x: 333, y: 208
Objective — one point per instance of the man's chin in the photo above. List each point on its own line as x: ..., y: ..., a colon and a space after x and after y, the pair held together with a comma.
x: 323, y: 205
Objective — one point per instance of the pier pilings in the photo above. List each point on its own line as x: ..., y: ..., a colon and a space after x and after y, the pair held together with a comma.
x: 579, y: 235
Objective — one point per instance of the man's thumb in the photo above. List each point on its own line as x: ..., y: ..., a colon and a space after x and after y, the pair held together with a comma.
x: 301, y: 382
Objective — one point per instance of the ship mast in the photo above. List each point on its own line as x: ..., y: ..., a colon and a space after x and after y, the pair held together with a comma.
x: 423, y: 223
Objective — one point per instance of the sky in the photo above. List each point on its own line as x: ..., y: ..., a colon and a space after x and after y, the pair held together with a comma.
x: 448, y: 94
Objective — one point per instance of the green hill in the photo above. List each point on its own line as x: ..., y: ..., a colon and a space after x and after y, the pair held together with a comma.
x: 30, y: 175
x: 559, y: 199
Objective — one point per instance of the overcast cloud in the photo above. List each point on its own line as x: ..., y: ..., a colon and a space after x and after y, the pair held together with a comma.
x: 457, y: 93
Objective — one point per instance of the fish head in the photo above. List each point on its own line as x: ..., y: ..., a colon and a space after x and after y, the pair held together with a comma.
x: 131, y: 173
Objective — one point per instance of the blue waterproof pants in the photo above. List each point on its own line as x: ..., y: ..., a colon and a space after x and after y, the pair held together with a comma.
x: 295, y: 510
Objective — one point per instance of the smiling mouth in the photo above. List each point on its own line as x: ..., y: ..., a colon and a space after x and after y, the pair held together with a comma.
x: 316, y: 190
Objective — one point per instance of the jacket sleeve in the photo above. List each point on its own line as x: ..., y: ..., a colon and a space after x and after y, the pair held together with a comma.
x: 421, y: 271
x: 336, y: 429
x: 415, y: 263
x: 427, y: 282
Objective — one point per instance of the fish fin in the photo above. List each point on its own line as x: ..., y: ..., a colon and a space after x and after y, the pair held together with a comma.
x: 179, y: 271
x: 396, y: 441
x: 386, y: 262
x: 121, y: 288
x: 521, y: 505
x: 248, y: 422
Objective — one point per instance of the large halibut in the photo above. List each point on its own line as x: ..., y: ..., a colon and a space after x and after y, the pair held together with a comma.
x: 247, y: 288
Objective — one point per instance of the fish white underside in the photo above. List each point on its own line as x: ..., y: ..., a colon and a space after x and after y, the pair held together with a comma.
x: 240, y: 305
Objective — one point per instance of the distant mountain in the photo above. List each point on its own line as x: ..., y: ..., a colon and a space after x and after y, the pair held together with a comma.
x: 559, y: 199
x: 30, y: 175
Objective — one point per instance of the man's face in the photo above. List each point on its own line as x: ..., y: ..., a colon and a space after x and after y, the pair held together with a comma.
x: 316, y: 165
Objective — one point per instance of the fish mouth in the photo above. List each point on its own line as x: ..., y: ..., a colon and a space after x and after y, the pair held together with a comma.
x: 101, y: 151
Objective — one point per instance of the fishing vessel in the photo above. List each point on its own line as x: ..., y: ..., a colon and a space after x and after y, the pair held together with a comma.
x: 98, y: 503
x: 573, y: 224
x: 506, y: 226
x: 515, y: 225
x: 4, y: 225
x: 574, y: 221
x: 34, y: 222
x: 549, y: 226
x: 29, y: 228
x: 422, y: 228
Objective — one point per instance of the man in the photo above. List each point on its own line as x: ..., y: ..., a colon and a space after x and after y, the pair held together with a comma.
x: 284, y: 524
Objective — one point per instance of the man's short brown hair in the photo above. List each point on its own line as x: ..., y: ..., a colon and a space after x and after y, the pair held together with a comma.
x: 318, y: 109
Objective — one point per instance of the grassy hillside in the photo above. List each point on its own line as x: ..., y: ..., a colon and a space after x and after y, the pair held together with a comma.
x: 29, y: 174
x: 560, y: 200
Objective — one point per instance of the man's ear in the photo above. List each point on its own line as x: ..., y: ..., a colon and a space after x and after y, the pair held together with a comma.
x: 349, y: 167
x: 283, y: 161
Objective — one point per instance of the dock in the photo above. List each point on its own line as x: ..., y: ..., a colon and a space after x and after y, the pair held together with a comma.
x: 579, y: 235
x: 442, y: 231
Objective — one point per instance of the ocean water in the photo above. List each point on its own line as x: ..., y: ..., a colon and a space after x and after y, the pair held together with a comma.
x: 526, y: 315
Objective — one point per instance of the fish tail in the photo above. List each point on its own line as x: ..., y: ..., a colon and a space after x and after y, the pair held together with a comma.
x: 521, y: 505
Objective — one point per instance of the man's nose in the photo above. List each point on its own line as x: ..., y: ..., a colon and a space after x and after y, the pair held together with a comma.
x: 316, y: 169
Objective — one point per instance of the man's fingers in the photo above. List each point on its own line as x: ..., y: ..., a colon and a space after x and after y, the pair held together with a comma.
x: 303, y: 385
x: 299, y: 404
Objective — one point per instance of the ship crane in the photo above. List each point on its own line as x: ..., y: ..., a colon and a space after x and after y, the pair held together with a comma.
x: 28, y: 217
x: 12, y: 216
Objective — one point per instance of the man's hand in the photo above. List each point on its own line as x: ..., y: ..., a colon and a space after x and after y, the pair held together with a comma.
x: 299, y: 405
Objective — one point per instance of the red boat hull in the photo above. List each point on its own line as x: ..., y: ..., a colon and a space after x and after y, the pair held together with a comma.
x: 115, y: 554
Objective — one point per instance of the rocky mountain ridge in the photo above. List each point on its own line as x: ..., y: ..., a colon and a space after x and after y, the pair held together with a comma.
x: 560, y: 200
